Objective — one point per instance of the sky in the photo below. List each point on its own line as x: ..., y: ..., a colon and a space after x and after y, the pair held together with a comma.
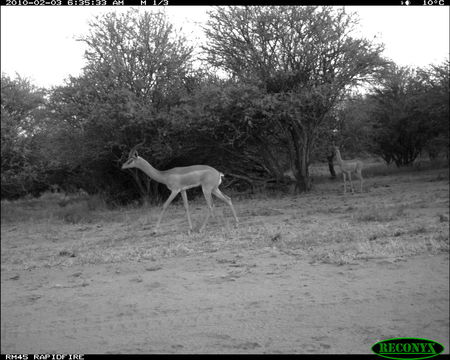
x: 39, y: 43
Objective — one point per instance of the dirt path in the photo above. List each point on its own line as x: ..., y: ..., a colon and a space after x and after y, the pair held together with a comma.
x: 259, y: 301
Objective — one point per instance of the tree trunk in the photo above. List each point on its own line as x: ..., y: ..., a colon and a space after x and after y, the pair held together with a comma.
x: 303, y: 183
x: 331, y: 166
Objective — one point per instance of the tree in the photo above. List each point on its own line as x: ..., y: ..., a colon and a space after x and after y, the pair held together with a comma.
x: 137, y: 70
x: 141, y: 53
x: 410, y: 110
x: 354, y: 125
x: 21, y: 124
x: 434, y: 103
x: 304, y: 58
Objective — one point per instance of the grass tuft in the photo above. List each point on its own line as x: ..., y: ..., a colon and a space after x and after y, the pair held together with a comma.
x: 382, y: 214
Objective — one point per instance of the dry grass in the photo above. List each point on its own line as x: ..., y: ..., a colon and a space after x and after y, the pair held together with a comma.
x: 382, y: 213
x: 397, y: 215
x: 53, y: 206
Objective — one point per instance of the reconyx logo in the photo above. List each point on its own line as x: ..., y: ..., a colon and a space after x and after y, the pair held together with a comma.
x: 407, y: 348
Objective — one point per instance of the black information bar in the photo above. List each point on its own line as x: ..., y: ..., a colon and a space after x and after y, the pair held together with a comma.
x: 168, y: 3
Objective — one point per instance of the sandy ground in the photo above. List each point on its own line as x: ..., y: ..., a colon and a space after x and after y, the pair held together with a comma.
x: 238, y: 296
x: 243, y: 302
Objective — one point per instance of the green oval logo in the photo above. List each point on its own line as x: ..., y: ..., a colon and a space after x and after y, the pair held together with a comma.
x: 407, y: 348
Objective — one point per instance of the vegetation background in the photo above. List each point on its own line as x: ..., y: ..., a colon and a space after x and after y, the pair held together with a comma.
x: 271, y: 91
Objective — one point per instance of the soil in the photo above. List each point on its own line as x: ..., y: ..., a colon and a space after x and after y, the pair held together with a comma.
x: 239, y: 302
